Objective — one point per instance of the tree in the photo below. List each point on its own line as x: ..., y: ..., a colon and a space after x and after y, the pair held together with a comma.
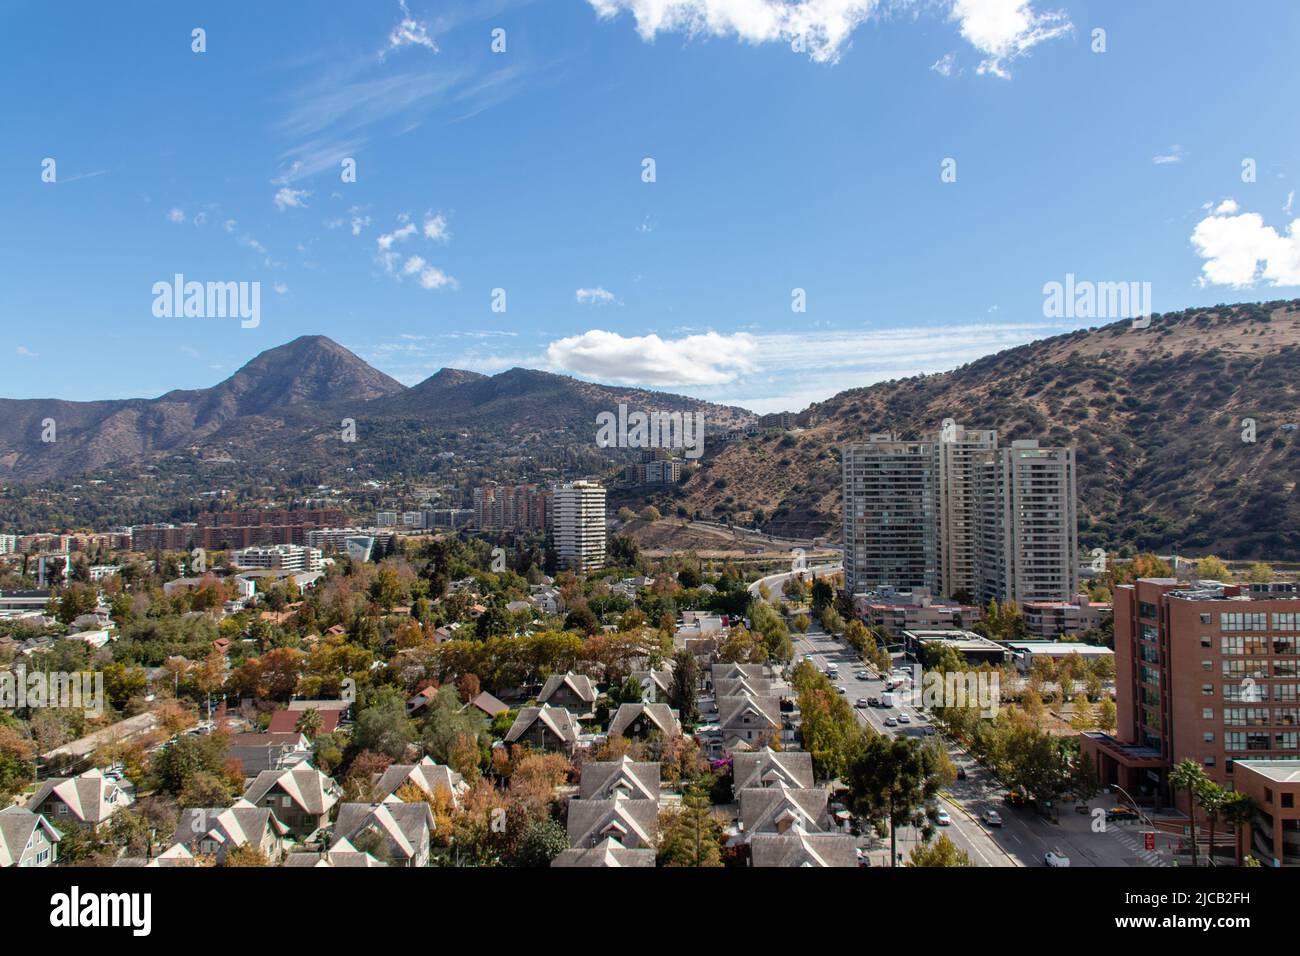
x: 247, y: 855
x: 581, y: 619
x: 943, y: 852
x: 624, y: 551
x: 1106, y: 714
x: 383, y: 726
x: 893, y: 783
x: 1260, y: 573
x: 1212, y: 799
x: 691, y: 836
x: 308, y: 723
x: 540, y: 843
x: 1239, y: 810
x: 1212, y: 568
x: 1189, y: 776
x: 683, y: 693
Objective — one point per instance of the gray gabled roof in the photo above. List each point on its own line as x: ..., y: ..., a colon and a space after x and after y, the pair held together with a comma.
x: 558, y: 720
x: 731, y: 711
x: 91, y: 797
x: 608, y: 852
x: 634, y: 823
x: 602, y: 779
x: 17, y: 824
x: 660, y: 715
x: 312, y: 790
x: 238, y: 825
x: 405, y: 826
x: 428, y: 775
x: 779, y: 809
x: 768, y: 767
x: 803, y: 849
x: 580, y: 684
x: 342, y: 854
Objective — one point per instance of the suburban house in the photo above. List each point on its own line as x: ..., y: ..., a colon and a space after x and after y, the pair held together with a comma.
x: 342, y: 854
x: 797, y: 848
x: 780, y: 809
x: 397, y: 832
x: 601, y: 780
x: 545, y: 728
x: 655, y: 685
x: 27, y: 839
x: 772, y: 768
x: 87, y: 800
x: 301, y: 797
x: 215, y: 832
x: 428, y: 775
x: 639, y: 721
x: 286, y: 721
x: 488, y: 704
x: 634, y: 823
x: 574, y: 692
x: 747, y: 721
x: 258, y: 752
x: 608, y: 852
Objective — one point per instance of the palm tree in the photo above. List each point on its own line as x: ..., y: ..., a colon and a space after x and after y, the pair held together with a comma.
x: 1239, y: 810
x: 309, y: 723
x: 1211, y: 798
x: 1188, y: 775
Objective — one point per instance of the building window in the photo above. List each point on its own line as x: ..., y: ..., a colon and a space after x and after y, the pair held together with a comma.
x: 1288, y: 801
x: 1205, y: 640
x: 1207, y: 665
x: 1268, y: 794
x: 1205, y: 618
x: 1207, y: 713
x: 1208, y: 736
x: 1207, y: 690
x: 1208, y: 761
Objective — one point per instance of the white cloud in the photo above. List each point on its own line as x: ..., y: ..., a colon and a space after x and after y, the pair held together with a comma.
x: 280, y: 288
x: 1175, y: 155
x: 359, y: 223
x: 432, y: 278
x: 435, y: 228
x: 286, y: 198
x: 1290, y: 200
x: 200, y: 218
x: 1239, y: 250
x: 1005, y: 30
x: 409, y: 32
x: 946, y: 65
x: 229, y: 225
x: 176, y: 215
x: 386, y: 240
x: 1002, y: 30
x: 26, y: 352
x: 596, y: 296
x: 1226, y: 208
x: 709, y: 359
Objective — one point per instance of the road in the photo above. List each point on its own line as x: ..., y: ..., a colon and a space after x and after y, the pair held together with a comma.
x: 775, y: 582
x: 1025, y: 836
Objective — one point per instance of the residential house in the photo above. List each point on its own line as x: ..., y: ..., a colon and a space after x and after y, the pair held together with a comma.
x: 397, y: 833
x: 286, y: 721
x: 771, y: 768
x: 545, y: 728
x: 428, y: 775
x: 608, y: 852
x: 634, y: 823
x: 655, y: 685
x: 747, y: 722
x: 602, y: 780
x: 639, y: 721
x: 488, y: 704
x: 216, y: 831
x: 779, y: 809
x: 258, y: 752
x: 301, y: 796
x: 342, y: 853
x: 576, y: 693
x: 27, y: 839
x: 87, y: 800
x: 797, y: 848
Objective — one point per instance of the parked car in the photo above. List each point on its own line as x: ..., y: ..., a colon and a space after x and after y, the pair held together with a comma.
x: 1055, y: 858
x: 1081, y: 808
x: 1121, y: 814
x: 991, y: 818
x: 1014, y: 798
x: 942, y: 818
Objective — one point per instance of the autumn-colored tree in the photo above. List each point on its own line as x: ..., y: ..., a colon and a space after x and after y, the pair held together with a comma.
x: 692, y: 835
x: 943, y: 852
x: 246, y: 855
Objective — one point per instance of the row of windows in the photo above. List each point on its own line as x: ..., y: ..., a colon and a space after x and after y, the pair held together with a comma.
x: 1261, y: 740
x: 1254, y: 620
x: 1249, y: 692
x: 1256, y: 645
x: 1233, y: 668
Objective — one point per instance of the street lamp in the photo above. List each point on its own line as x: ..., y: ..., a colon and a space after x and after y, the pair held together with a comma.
x: 1141, y: 816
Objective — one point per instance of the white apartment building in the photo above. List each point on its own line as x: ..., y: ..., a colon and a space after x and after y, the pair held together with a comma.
x: 889, y: 515
x: 578, y: 531
x: 8, y: 543
x: 956, y: 455
x: 1027, y: 534
x: 279, y: 557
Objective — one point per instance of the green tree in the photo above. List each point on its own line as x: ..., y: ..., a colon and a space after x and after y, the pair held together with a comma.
x: 1212, y: 568
x: 942, y: 852
x: 893, y: 783
x: 683, y: 693
x: 383, y: 727
x: 1188, y: 775
x: 308, y: 723
x: 692, y: 836
x: 540, y: 843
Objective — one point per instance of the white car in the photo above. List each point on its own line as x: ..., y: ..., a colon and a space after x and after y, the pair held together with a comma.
x: 903, y: 718
x: 1055, y: 858
x: 943, y: 819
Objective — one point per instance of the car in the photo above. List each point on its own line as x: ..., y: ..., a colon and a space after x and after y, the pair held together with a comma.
x: 929, y: 731
x: 991, y: 818
x: 1015, y: 798
x: 942, y: 818
x: 1055, y: 858
x: 961, y: 773
x: 1121, y: 814
x: 1081, y: 808
x: 862, y: 702
x: 862, y: 675
x: 890, y: 722
x: 841, y: 690
x: 873, y: 701
x: 903, y: 718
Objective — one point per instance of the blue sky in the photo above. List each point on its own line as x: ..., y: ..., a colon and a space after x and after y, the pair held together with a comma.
x: 775, y: 169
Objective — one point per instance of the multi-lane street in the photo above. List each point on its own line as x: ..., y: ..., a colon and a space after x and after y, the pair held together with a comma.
x: 1024, y: 836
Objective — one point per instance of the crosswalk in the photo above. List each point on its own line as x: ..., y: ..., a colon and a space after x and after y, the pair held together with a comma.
x: 1134, y: 842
